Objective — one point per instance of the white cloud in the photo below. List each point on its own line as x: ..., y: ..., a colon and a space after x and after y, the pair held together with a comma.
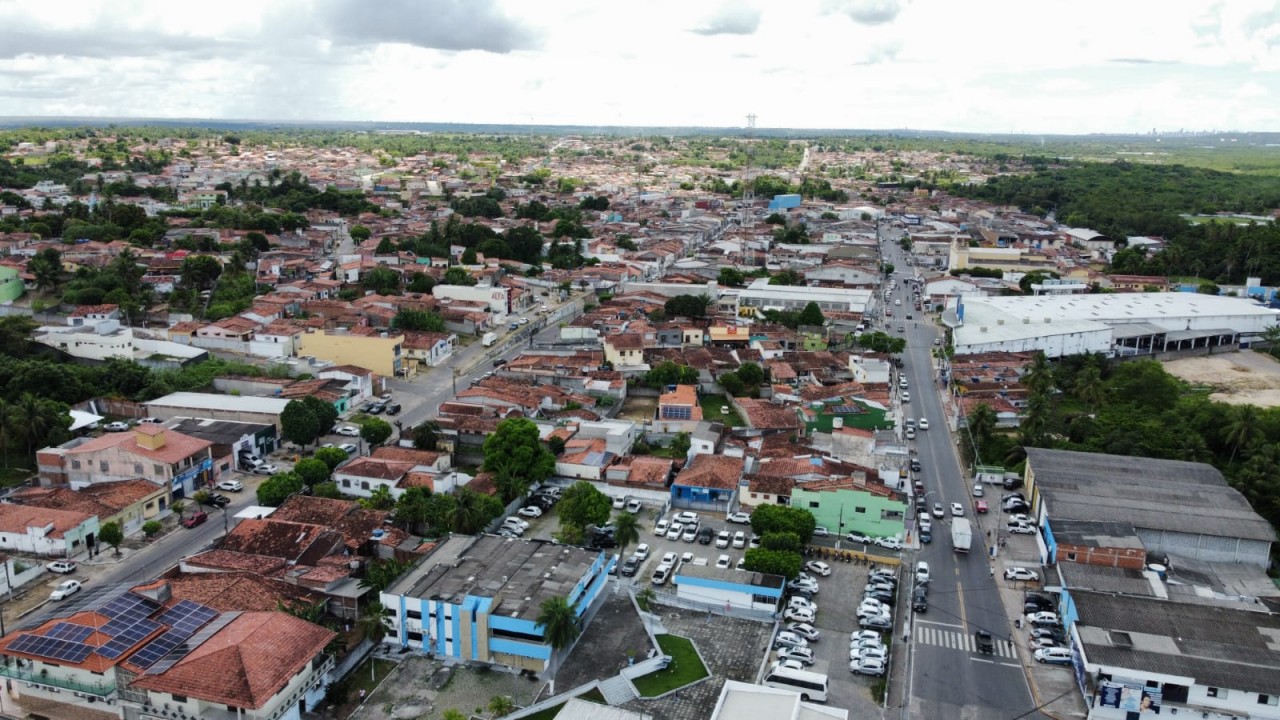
x: 1044, y: 66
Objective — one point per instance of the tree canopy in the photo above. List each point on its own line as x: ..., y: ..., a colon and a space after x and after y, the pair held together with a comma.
x: 514, y: 453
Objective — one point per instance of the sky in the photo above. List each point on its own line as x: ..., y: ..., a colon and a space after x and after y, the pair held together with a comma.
x: 1024, y: 66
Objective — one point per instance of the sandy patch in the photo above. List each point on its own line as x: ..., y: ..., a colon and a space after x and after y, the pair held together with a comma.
x: 1240, y: 378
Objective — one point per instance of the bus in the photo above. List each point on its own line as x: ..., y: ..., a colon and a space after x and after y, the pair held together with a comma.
x: 810, y: 685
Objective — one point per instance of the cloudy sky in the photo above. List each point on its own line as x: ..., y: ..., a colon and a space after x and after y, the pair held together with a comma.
x: 1035, y: 66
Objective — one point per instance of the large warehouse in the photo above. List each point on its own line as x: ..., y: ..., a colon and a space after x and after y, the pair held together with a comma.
x: 1110, y: 323
x: 1176, y: 508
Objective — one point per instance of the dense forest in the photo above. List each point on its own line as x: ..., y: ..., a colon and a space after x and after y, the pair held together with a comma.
x: 1123, y: 199
x: 1089, y: 404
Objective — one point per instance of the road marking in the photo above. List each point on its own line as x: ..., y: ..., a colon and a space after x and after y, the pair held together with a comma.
x: 935, y: 622
x: 964, y: 618
x: 963, y: 642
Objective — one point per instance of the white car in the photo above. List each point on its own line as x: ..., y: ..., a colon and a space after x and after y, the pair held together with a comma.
x: 869, y: 653
x: 65, y: 589
x: 809, y: 586
x: 805, y: 630
x: 870, y: 613
x: 669, y: 559
x: 817, y: 567
x: 661, y: 528
x: 516, y: 522
x: 116, y: 426
x: 633, y: 506
x: 348, y: 448
x: 937, y: 511
x: 62, y: 567
x: 802, y: 603
x: 660, y: 574
x: 788, y: 664
x: 1020, y: 519
x: 266, y: 469
x: 821, y: 531
x: 686, y: 518
x: 924, y: 424
x: 1020, y: 573
x: 889, y: 543
x: 906, y: 396
x: 957, y: 509
x: 858, y: 537
x: 230, y: 485
x: 619, y: 503
x: 739, y: 540
x: 532, y: 511
x: 800, y: 655
x: 723, y: 539
x: 1043, y: 618
x: 1020, y: 529
x: 690, y: 533
x: 865, y: 635
x: 795, y: 614
x: 348, y: 431
x: 642, y: 551
x: 723, y: 562
x: 866, y: 642
x: 789, y: 639
x: 739, y: 517
x: 867, y: 667
x: 674, y: 532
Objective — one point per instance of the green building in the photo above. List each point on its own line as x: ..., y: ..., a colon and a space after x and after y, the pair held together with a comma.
x: 858, y: 509
x: 11, y: 287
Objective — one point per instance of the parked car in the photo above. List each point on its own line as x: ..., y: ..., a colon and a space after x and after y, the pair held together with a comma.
x: 805, y: 630
x: 348, y: 448
x: 231, y: 485
x: 686, y: 518
x: 723, y: 562
x: 266, y: 469
x: 669, y: 559
x: 798, y: 615
x: 62, y: 567
x: 868, y: 666
x: 1020, y: 529
x: 374, y: 408
x: 920, y: 600
x: 116, y: 426
x: 723, y: 539
x: 630, y: 566
x: 817, y: 567
x: 219, y: 500
x: 661, y: 528
x: 803, y: 656
x: 869, y: 653
x: 660, y: 574
x: 65, y: 589
x: 937, y: 510
x: 522, y: 524
x: 889, y: 543
x: 739, y: 540
x: 530, y: 511
x: 739, y: 517
x: 674, y: 532
x: 1043, y: 618
x: 1053, y: 656
x: 865, y: 635
x: 690, y: 533
x: 858, y: 538
x: 789, y: 639
x: 619, y: 503
x: 196, y: 518
x: 922, y: 572
x: 642, y: 551
x: 706, y: 535
x: 348, y: 431
x: 981, y: 507
x: 806, y: 585
x: 1036, y: 643
x: 1020, y: 573
x: 799, y: 602
x: 821, y: 531
x: 633, y: 506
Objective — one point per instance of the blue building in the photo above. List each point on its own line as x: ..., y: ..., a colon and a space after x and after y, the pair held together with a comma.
x: 723, y: 587
x: 784, y: 202
x: 477, y: 598
x: 708, y: 482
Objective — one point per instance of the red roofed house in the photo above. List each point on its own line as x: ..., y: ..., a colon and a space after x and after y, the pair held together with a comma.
x: 624, y: 350
x: 708, y: 482
x: 128, y: 502
x: 45, y: 531
x: 152, y: 452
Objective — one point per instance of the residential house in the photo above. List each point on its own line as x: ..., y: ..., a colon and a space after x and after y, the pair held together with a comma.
x: 848, y: 504
x: 624, y: 351
x: 429, y: 348
x: 396, y: 469
x: 127, y: 502
x: 383, y: 353
x: 46, y: 531
x: 584, y: 458
x: 154, y: 453
x: 708, y: 482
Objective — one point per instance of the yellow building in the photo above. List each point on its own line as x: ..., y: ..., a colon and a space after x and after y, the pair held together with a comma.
x: 381, y: 352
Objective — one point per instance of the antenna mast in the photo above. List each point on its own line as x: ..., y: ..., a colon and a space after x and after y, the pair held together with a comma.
x: 748, y: 180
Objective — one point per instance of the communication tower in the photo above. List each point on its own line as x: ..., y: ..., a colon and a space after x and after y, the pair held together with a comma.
x: 748, y: 180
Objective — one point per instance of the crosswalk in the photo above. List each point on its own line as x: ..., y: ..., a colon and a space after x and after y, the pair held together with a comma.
x: 960, y: 641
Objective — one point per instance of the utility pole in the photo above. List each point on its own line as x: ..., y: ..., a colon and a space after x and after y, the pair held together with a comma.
x: 748, y: 181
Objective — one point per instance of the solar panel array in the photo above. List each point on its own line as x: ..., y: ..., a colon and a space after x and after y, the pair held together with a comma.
x: 124, y: 638
x: 184, y: 618
x: 199, y: 639
x: 69, y: 631
x: 68, y: 651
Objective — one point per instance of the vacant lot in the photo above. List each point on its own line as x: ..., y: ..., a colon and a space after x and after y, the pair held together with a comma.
x: 1239, y: 378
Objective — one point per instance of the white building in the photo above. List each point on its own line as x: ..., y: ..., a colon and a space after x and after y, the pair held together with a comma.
x: 107, y: 339
x: 497, y: 298
x: 728, y: 588
x: 760, y: 294
x: 1110, y: 323
x: 743, y: 700
x: 45, y: 531
x: 217, y: 407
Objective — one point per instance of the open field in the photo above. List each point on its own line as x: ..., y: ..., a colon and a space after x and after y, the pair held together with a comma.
x: 1242, y: 378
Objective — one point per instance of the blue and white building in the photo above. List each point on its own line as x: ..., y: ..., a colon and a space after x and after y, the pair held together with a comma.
x: 477, y: 598
x: 729, y: 588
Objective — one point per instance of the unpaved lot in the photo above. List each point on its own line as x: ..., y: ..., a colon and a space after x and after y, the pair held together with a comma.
x: 1239, y: 378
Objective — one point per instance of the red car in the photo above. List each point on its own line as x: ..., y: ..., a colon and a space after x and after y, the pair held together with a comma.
x: 980, y: 506
x: 196, y: 518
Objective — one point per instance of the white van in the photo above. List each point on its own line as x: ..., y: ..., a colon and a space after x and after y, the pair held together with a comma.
x: 1054, y: 655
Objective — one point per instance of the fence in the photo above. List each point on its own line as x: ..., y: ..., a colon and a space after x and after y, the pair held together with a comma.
x: 673, y: 600
x: 351, y: 660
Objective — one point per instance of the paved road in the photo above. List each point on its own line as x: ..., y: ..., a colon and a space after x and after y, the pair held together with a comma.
x: 945, y: 676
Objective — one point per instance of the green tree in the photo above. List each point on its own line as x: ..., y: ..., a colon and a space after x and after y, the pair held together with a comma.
x: 751, y: 374
x: 427, y: 436
x: 731, y: 277
x: 112, y: 534
x: 379, y: 575
x: 419, y: 320
x: 781, y: 541
x: 1089, y: 386
x: 559, y: 622
x: 46, y: 267
x: 500, y: 705
x: 582, y: 505
x: 327, y: 490
x: 151, y: 528
x: 687, y: 306
x: 375, y: 431
x: 360, y: 233
x: 458, y: 276
x: 787, y: 277
x: 779, y: 518
x: 1038, y: 377
x: 370, y: 625
x: 773, y: 562
x: 381, y: 280
x: 200, y: 272
x: 468, y: 515
x: 680, y: 444
x: 626, y: 531
x: 731, y: 383
x: 380, y: 499
x: 276, y: 489
x: 312, y: 471
x: 298, y: 423
x: 812, y: 315
x: 1243, y: 431
x: 331, y: 456
x: 514, y: 453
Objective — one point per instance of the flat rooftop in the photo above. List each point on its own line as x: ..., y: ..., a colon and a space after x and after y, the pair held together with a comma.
x: 518, y: 574
x: 741, y: 577
x: 1147, y: 493
x: 744, y: 700
x: 212, y: 401
x: 223, y: 432
x: 1217, y: 646
x: 1088, y: 533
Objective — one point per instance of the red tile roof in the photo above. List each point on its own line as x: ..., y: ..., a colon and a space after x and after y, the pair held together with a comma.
x: 711, y: 471
x: 17, y: 518
x: 246, y: 663
x: 176, y: 446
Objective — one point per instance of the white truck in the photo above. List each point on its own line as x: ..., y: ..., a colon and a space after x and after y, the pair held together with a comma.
x: 961, y: 534
x: 489, y: 339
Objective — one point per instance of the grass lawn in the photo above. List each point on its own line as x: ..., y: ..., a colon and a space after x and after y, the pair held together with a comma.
x: 711, y: 405
x: 14, y: 476
x: 666, y: 452
x: 685, y: 667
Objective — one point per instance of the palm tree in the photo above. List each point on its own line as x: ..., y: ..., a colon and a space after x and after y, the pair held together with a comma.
x: 559, y: 622
x: 644, y: 598
x: 34, y: 419
x: 1272, y: 337
x: 982, y: 423
x: 466, y: 516
x: 1039, y: 376
x: 370, y: 625
x: 1089, y: 387
x: 501, y: 705
x: 9, y: 429
x: 1243, y: 430
x: 625, y: 531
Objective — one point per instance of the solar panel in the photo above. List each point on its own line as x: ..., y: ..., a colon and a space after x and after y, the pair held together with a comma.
x: 69, y: 631
x: 181, y: 650
x: 67, y: 651
x: 128, y: 605
x: 188, y: 613
x: 124, y: 638
x: 185, y: 618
